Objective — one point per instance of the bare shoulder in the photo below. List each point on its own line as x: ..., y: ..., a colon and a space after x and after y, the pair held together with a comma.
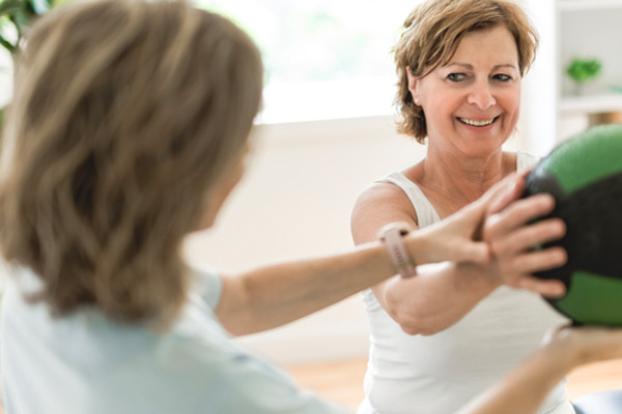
x: 379, y: 204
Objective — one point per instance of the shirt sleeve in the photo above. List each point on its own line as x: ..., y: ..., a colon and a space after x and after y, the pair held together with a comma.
x: 228, y: 379
x: 208, y: 285
x: 525, y: 161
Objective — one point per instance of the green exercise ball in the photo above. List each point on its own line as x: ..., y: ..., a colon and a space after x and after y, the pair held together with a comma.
x: 584, y: 174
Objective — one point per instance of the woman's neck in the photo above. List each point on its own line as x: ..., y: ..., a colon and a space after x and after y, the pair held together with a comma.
x: 461, y: 178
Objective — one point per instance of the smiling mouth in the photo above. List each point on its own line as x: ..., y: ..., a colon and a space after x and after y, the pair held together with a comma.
x: 480, y: 123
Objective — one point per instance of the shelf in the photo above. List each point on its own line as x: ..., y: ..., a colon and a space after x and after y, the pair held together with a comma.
x: 570, y: 5
x: 605, y: 102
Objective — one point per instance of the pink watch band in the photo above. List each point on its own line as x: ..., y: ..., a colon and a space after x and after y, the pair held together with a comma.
x: 392, y: 236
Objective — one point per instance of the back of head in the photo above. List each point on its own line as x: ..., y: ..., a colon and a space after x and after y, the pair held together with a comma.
x: 431, y: 35
x: 126, y: 113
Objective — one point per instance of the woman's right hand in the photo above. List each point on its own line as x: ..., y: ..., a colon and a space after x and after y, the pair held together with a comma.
x: 511, y: 235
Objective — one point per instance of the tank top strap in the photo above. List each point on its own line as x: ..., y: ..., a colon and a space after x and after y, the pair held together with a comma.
x: 426, y: 213
x: 525, y: 161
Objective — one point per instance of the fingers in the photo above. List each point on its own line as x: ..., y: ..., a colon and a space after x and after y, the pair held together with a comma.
x: 511, y: 238
x: 532, y: 262
x: 528, y: 236
x: 548, y: 288
x: 517, y: 214
x: 506, y: 191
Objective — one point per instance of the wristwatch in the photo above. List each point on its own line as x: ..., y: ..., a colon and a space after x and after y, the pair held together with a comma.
x: 392, y: 236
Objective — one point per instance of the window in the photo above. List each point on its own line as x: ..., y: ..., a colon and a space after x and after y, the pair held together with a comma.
x: 324, y: 58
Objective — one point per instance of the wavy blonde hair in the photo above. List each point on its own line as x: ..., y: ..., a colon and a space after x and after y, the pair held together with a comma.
x: 126, y: 113
x: 431, y: 34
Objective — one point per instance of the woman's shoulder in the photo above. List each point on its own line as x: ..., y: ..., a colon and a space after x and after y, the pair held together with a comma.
x: 380, y: 196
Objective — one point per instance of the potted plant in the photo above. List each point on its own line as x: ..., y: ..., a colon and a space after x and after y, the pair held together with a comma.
x: 583, y: 70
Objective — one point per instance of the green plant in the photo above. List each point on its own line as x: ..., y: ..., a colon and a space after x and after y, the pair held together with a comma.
x: 15, y: 16
x: 582, y: 70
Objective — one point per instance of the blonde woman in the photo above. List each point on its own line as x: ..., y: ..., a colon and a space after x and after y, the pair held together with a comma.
x: 128, y: 130
x: 439, y: 339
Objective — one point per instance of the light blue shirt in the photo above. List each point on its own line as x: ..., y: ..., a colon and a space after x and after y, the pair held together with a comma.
x: 85, y: 363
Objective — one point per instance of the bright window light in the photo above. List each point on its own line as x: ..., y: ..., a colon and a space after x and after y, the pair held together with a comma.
x: 324, y: 59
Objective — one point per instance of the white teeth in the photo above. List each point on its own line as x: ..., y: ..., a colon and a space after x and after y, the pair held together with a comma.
x: 478, y: 123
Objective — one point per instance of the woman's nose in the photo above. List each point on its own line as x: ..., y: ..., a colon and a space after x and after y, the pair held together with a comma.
x: 481, y: 96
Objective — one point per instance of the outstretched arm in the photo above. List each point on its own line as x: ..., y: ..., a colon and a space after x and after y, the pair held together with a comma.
x: 525, y: 388
x: 274, y: 295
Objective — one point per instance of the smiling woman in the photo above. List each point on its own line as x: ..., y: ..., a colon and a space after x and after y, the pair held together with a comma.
x: 472, y: 101
x: 460, y: 64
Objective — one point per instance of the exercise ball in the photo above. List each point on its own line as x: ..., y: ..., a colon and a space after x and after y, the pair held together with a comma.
x: 584, y: 174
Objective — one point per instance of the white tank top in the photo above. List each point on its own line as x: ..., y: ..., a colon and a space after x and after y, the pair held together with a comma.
x: 439, y: 374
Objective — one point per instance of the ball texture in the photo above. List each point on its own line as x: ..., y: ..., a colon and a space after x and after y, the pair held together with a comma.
x: 584, y: 174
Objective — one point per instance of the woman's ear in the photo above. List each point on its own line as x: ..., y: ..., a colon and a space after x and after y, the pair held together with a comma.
x: 413, y: 85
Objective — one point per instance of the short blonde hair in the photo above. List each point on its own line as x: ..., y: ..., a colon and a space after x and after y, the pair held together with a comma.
x: 431, y: 34
x: 126, y: 113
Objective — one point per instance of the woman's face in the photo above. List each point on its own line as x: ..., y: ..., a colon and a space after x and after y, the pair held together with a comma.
x: 471, y: 104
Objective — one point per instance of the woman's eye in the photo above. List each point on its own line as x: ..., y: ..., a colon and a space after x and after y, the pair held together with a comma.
x: 502, y: 77
x: 456, y: 77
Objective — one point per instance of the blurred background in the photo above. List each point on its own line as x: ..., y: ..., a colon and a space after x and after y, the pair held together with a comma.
x: 327, y: 130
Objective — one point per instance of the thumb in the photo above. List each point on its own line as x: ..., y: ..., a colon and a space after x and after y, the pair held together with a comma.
x: 511, y: 190
x: 471, y: 220
x: 471, y: 215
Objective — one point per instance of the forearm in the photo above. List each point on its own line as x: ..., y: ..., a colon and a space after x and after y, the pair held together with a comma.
x: 274, y: 295
x: 437, y: 298
x: 524, y: 390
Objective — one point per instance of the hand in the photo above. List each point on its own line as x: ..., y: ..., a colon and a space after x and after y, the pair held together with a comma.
x: 458, y: 237
x: 511, y: 239
x: 586, y: 344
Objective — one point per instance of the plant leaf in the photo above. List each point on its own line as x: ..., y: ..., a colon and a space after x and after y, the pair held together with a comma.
x: 7, y: 45
x: 9, y: 6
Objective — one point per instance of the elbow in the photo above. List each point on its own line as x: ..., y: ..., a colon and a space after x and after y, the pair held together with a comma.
x: 413, y: 316
x: 417, y: 326
x: 411, y: 320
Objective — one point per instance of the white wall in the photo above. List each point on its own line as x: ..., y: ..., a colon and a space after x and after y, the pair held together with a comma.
x: 295, y: 201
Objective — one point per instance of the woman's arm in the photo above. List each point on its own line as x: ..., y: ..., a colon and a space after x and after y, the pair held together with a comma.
x: 437, y: 297
x: 442, y: 295
x: 273, y: 295
x: 525, y: 388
